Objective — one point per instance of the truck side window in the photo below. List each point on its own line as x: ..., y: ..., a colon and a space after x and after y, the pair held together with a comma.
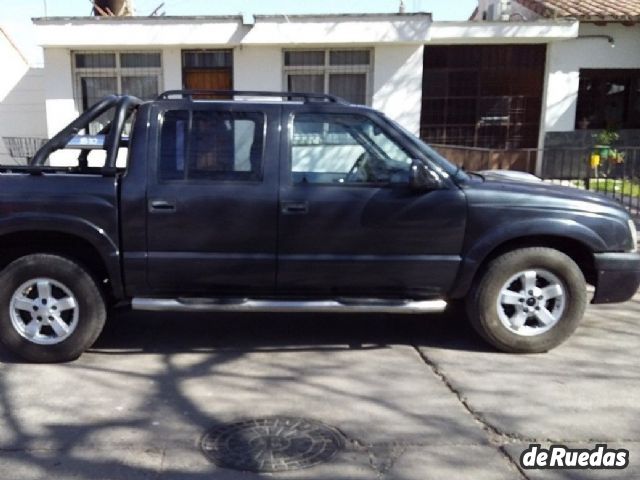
x: 345, y: 149
x: 211, y: 145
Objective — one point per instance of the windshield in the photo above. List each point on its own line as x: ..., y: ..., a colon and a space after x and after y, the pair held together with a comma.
x: 429, y: 152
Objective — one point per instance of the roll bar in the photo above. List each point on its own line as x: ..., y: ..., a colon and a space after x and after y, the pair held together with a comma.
x: 123, y: 104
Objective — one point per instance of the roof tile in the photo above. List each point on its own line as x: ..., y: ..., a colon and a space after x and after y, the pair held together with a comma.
x: 593, y: 10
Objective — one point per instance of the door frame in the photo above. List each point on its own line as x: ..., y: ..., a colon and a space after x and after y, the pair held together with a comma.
x: 269, y: 181
x: 444, y: 264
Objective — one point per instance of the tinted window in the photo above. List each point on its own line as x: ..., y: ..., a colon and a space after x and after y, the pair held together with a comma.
x: 345, y: 149
x: 212, y: 145
x: 140, y: 60
x: 609, y: 99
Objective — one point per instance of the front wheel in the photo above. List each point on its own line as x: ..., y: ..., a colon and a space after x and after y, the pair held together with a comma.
x: 51, y: 309
x: 529, y: 300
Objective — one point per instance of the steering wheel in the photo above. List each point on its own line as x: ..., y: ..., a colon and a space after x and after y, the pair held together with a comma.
x: 355, y: 169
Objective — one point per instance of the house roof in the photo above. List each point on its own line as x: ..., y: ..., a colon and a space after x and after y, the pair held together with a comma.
x: 586, y: 10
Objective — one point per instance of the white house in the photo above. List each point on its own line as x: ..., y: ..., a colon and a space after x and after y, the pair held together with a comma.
x: 520, y: 75
x: 375, y: 59
x: 22, y: 107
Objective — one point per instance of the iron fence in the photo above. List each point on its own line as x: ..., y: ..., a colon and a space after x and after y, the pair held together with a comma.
x: 475, y: 158
x: 614, y: 172
x: 23, y: 147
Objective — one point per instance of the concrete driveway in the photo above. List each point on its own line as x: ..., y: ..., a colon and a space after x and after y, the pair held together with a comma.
x: 415, y: 397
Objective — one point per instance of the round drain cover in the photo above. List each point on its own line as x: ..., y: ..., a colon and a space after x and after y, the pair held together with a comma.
x: 273, y: 444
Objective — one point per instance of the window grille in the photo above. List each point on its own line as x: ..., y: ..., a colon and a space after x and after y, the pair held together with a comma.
x: 100, y: 73
x: 483, y: 95
x: 346, y: 73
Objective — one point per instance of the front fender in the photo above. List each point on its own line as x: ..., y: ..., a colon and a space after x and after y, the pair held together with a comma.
x: 481, y: 247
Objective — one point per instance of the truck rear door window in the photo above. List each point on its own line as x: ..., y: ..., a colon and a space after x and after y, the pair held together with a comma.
x: 211, y: 145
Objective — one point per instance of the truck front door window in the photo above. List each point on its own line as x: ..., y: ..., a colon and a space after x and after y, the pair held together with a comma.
x: 345, y: 149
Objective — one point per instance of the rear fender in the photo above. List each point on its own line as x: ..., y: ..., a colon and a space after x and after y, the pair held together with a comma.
x: 33, y: 224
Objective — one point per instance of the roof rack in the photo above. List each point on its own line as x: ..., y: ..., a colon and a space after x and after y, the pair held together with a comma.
x: 307, y: 97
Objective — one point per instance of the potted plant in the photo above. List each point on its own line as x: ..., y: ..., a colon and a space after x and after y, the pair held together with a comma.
x: 616, y: 163
x: 604, y: 140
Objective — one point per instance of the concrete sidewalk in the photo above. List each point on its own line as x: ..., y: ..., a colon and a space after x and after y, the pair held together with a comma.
x: 415, y: 397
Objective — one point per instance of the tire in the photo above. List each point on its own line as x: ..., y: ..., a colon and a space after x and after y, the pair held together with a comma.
x: 52, y: 289
x: 501, y: 300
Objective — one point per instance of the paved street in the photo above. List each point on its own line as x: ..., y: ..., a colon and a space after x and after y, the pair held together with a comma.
x: 415, y: 397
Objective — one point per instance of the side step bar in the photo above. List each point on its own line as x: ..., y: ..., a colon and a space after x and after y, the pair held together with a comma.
x: 251, y: 305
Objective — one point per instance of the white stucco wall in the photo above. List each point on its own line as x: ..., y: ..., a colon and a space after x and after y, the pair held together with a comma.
x: 58, y: 89
x: 397, y: 83
x: 566, y: 58
x: 22, y: 112
x: 257, y: 68
x: 171, y: 69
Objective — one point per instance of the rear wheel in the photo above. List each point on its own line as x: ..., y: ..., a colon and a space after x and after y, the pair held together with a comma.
x: 51, y: 309
x: 528, y: 301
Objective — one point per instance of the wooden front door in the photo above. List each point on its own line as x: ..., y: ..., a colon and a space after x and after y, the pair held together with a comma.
x: 208, y: 79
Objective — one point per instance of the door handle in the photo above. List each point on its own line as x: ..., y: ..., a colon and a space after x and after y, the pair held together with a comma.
x: 295, y: 208
x: 162, y: 206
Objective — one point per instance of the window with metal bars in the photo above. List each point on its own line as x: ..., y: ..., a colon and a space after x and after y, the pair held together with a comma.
x: 609, y: 98
x: 341, y: 72
x: 100, y: 73
x: 483, y: 95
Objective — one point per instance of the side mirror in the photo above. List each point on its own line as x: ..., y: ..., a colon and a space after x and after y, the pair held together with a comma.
x: 421, y: 178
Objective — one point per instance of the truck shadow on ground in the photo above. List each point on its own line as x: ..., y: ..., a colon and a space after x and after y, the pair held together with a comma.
x: 162, y: 408
x: 178, y: 332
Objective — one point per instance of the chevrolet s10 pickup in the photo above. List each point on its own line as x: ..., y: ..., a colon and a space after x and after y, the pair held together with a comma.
x: 305, y: 203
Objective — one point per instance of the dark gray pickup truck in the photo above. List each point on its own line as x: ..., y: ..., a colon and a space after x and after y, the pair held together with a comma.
x: 303, y: 204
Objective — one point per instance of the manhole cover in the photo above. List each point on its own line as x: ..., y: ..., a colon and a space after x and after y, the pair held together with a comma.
x: 274, y: 444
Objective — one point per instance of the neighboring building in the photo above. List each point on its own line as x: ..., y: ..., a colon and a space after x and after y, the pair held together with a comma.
x: 22, y: 112
x: 593, y: 81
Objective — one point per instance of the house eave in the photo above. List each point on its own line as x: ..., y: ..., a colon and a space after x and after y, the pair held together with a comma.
x: 369, y: 29
x: 229, y: 31
x: 542, y: 31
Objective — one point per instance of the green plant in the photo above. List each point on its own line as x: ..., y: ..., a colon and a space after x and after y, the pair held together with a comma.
x: 606, y: 137
x: 616, y: 156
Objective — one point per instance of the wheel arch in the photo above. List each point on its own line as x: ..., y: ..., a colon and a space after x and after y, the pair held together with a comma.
x: 578, y: 251
x: 99, y: 256
x: 575, y: 240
